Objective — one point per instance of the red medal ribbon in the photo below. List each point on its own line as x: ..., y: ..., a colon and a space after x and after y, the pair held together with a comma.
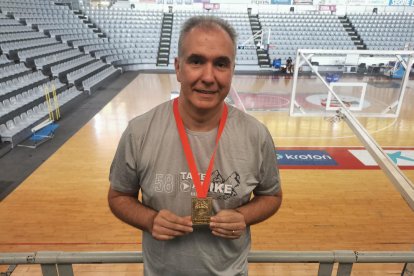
x: 201, y: 188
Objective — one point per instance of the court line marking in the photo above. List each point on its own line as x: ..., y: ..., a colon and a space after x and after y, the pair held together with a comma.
x: 332, y: 137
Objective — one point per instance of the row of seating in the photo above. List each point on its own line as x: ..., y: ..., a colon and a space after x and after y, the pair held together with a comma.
x: 40, y: 62
x: 67, y: 65
x: 376, y: 20
x: 8, y: 22
x: 391, y: 35
x: 12, y: 69
x: 32, y: 94
x: 107, y: 52
x: 99, y: 77
x: 86, y: 42
x: 13, y: 29
x: 20, y: 82
x: 32, y: 2
x: 28, y: 119
x: 90, y: 10
x: 387, y: 14
x: 34, y: 16
x: 127, y: 23
x: 140, y: 30
x: 385, y: 38
x: 303, y: 17
x: 25, y: 44
x: 130, y: 59
x: 23, y: 55
x: 317, y: 29
x: 111, y: 46
x: 23, y: 5
x: 124, y: 21
x: 57, y: 26
x: 73, y: 76
x: 59, y: 32
x: 30, y: 13
x: 70, y: 37
x: 20, y: 36
x: 51, y: 20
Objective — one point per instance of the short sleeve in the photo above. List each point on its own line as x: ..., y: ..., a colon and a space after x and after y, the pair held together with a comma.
x: 269, y: 172
x: 123, y: 173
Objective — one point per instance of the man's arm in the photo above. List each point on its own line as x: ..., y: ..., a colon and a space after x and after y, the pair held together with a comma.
x: 130, y: 210
x: 231, y: 224
x: 163, y: 225
x: 261, y: 208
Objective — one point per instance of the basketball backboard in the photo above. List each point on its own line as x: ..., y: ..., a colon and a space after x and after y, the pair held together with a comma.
x: 369, y: 83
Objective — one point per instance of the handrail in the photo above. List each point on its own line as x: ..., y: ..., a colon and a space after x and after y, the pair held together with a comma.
x: 54, y: 262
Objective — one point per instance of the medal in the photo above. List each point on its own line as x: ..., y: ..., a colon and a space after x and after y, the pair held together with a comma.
x: 201, y: 209
x: 201, y: 206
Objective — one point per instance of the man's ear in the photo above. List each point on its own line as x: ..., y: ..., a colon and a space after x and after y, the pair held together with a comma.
x: 177, y: 68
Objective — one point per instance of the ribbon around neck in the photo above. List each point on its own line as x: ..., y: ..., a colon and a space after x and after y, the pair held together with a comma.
x: 201, y: 188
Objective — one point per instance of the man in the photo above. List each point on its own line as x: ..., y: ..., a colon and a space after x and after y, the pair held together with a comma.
x: 155, y: 155
x: 289, y: 65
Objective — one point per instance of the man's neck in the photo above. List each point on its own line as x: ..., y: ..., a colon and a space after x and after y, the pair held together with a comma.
x: 199, y: 120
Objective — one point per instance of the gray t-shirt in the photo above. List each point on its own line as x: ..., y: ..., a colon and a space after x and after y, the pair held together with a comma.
x: 150, y: 159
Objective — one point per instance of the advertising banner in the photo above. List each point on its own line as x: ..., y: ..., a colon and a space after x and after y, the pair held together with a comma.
x: 261, y: 2
x: 331, y: 8
x: 337, y: 2
x: 357, y: 2
x: 400, y: 2
x: 340, y: 158
x: 281, y: 2
x: 302, y: 2
x: 211, y: 6
x: 377, y: 2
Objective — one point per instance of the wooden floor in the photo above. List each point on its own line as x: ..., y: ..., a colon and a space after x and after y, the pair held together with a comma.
x: 62, y: 206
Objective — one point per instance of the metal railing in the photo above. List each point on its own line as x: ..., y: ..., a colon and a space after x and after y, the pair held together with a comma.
x: 57, y: 263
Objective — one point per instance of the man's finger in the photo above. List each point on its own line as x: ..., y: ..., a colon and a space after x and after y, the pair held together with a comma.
x: 173, y: 218
x: 164, y: 231
x: 175, y: 226
x: 167, y: 225
x: 227, y: 235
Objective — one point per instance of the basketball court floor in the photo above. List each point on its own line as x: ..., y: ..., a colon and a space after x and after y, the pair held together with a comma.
x: 342, y: 206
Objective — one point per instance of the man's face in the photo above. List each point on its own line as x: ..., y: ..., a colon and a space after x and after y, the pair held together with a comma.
x: 205, y: 67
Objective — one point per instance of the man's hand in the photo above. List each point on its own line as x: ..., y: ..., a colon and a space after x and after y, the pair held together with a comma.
x: 228, y: 223
x: 163, y: 225
x: 167, y: 225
